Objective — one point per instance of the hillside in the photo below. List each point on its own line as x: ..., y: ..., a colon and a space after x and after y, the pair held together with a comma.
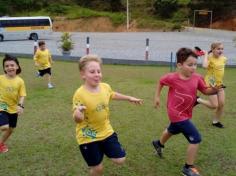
x: 110, y: 15
x: 104, y: 24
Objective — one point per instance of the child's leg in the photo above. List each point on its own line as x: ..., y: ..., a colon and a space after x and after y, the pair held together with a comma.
x: 49, y: 78
x: 7, y: 131
x: 165, y: 136
x: 113, y: 149
x: 49, y: 81
x: 220, y: 108
x: 212, y: 103
x: 93, y: 155
x: 194, y: 138
x: 191, y: 153
x: 96, y: 170
x: 159, y: 144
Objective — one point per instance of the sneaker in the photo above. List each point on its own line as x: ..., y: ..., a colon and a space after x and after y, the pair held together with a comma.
x: 37, y: 74
x: 218, y: 125
x: 158, y: 148
x: 50, y: 86
x: 191, y: 171
x: 3, y: 148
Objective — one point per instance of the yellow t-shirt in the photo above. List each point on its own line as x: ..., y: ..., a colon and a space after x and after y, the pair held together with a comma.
x: 43, y: 57
x: 215, y: 70
x: 10, y: 91
x: 96, y: 125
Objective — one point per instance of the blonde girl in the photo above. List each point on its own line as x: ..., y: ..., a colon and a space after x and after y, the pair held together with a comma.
x: 12, y: 94
x: 215, y: 62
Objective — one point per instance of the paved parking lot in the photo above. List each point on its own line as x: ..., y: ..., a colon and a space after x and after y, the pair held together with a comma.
x: 131, y: 45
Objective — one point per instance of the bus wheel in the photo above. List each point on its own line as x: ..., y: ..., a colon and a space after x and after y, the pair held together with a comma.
x: 34, y: 36
x: 1, y: 38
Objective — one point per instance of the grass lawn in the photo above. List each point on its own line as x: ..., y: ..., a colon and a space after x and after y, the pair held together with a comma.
x: 44, y: 141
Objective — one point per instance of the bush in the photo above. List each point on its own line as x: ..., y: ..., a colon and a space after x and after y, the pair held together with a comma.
x: 56, y: 9
x: 66, y: 42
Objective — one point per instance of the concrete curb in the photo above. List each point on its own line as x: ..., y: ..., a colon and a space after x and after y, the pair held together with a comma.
x: 105, y: 60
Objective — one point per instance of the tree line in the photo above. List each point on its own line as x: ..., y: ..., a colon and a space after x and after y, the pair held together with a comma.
x: 160, y: 8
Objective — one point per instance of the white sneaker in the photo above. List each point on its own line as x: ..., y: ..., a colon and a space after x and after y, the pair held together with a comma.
x: 37, y: 74
x: 50, y: 86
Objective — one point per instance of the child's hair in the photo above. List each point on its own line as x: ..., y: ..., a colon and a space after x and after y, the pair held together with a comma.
x: 88, y: 58
x: 11, y: 58
x: 183, y: 54
x: 41, y: 43
x: 214, y: 46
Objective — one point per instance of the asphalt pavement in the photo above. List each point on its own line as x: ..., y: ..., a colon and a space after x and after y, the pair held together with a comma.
x: 132, y: 45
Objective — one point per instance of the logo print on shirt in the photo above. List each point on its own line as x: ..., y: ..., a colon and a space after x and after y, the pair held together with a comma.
x: 185, y: 99
x: 89, y: 132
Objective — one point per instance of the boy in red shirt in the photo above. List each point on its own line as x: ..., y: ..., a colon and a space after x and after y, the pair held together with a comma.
x: 183, y: 86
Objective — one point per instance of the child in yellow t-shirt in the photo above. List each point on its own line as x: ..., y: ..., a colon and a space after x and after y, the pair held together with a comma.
x: 43, y: 60
x: 12, y: 94
x: 214, y: 62
x: 94, y: 132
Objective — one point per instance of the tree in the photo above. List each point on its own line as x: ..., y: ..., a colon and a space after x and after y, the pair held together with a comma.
x: 165, y: 8
x: 103, y: 5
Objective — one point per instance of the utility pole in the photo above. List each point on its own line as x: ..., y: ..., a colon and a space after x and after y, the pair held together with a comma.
x: 127, y: 14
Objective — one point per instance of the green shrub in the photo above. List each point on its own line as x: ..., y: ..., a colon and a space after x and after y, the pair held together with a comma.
x: 56, y: 9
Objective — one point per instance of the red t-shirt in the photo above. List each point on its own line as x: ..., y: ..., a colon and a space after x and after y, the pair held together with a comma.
x: 182, y: 95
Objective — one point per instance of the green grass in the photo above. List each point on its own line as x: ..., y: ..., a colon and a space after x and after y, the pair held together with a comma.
x: 44, y: 141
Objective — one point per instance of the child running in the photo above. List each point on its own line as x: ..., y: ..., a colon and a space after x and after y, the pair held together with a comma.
x: 215, y: 65
x: 183, y: 86
x: 12, y: 94
x: 94, y: 132
x: 43, y: 60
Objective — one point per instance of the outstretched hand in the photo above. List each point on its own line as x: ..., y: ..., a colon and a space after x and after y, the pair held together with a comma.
x: 136, y: 100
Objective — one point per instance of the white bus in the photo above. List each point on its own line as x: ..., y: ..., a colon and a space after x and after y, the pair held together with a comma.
x: 33, y: 28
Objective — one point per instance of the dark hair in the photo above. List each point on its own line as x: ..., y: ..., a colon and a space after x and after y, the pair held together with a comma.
x: 41, y: 43
x: 11, y: 58
x: 183, y: 54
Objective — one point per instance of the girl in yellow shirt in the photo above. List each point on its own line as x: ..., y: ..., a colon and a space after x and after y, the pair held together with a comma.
x: 94, y: 132
x: 215, y: 66
x: 12, y: 94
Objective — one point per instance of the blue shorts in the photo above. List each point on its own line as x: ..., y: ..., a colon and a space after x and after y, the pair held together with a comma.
x: 8, y: 119
x: 93, y: 152
x: 188, y: 129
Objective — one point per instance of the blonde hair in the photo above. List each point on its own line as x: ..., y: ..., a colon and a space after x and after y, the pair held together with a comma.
x: 88, y: 58
x: 215, y: 45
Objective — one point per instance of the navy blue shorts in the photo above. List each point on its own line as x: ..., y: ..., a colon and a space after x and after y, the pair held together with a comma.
x: 188, y: 129
x: 8, y: 119
x: 45, y: 71
x: 93, y: 152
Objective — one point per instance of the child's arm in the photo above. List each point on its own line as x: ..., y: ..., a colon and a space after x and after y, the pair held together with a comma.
x: 20, y: 106
x: 50, y: 59
x: 119, y: 96
x: 157, y: 95
x: 211, y: 90
x: 36, y: 59
x: 205, y: 62
x: 78, y: 114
